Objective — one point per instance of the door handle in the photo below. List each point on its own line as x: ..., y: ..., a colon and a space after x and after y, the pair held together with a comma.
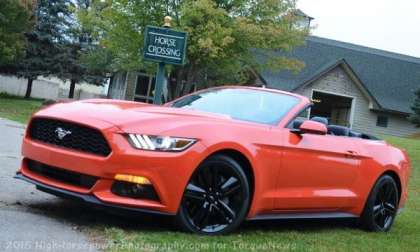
x: 351, y: 153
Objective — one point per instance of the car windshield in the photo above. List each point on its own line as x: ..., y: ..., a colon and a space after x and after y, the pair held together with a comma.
x: 257, y: 106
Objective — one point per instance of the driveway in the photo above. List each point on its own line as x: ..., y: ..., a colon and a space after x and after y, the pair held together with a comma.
x: 29, y: 219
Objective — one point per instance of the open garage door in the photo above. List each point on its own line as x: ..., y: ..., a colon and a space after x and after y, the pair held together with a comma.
x: 337, y: 108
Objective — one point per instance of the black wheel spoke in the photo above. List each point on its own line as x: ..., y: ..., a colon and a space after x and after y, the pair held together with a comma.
x: 202, y: 215
x: 385, y: 208
x: 382, y: 220
x: 387, y: 220
x: 195, y: 192
x: 227, y: 210
x: 230, y: 187
x: 377, y: 210
x: 390, y: 208
x: 223, y: 214
x: 231, y: 181
x: 215, y: 197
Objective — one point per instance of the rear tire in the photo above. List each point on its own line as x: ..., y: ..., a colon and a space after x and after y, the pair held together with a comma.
x: 381, y: 206
x: 216, y: 199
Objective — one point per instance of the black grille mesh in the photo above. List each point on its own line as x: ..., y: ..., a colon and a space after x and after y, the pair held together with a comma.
x: 81, y: 138
x: 68, y: 177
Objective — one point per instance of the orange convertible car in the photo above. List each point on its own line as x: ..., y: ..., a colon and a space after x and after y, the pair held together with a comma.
x: 215, y: 158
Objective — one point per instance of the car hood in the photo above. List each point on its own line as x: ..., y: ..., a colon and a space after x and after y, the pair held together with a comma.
x: 129, y: 116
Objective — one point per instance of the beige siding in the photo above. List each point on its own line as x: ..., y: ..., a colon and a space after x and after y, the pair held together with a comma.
x: 364, y: 119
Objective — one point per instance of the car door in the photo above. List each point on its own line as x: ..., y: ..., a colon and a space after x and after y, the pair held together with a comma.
x: 317, y: 172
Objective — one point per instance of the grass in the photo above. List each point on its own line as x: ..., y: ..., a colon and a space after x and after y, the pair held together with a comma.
x: 17, y: 108
x: 146, y: 233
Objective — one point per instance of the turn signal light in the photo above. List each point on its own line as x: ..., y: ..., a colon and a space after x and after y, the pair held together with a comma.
x: 132, y: 179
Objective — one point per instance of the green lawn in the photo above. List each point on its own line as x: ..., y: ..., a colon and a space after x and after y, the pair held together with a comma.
x: 17, y: 108
x: 157, y: 234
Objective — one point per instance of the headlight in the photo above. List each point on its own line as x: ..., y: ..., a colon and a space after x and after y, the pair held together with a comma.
x: 159, y: 143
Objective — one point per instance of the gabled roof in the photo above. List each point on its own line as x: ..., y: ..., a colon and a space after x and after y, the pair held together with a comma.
x: 391, y: 79
x: 300, y: 13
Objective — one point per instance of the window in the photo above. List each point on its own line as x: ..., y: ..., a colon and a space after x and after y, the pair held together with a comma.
x: 382, y: 121
x: 144, y: 88
x: 300, y: 118
x: 241, y: 104
x: 304, y: 114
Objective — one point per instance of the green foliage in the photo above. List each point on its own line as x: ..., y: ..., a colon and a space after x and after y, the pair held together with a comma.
x: 14, y: 22
x: 76, y: 49
x: 46, y: 40
x: 221, y: 35
x: 415, y: 118
x: 55, y: 45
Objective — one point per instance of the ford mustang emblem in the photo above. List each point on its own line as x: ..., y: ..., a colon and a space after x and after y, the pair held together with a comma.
x: 61, y: 133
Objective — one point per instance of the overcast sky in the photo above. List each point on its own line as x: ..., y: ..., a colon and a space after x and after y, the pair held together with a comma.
x: 392, y: 25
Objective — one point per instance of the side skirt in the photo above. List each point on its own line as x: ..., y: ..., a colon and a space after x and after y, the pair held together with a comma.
x: 280, y: 216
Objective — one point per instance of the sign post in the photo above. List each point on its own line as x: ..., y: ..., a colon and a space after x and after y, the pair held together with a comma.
x: 164, y: 46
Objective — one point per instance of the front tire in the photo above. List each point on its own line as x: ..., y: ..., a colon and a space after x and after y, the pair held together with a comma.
x: 216, y: 199
x: 382, y: 205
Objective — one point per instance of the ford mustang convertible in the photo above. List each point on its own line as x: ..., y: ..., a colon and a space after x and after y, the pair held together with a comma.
x: 215, y: 158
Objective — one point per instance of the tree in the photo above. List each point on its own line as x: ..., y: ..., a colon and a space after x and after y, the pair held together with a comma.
x: 15, y: 20
x: 415, y: 118
x: 222, y: 34
x: 71, y: 63
x: 75, y: 70
x: 45, y: 41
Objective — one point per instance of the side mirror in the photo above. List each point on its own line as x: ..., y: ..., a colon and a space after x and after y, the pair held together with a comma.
x: 312, y: 127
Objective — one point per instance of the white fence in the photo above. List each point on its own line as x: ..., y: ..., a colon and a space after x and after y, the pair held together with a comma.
x: 48, y: 88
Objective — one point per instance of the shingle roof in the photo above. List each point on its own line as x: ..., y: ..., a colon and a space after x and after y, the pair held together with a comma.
x: 390, y: 78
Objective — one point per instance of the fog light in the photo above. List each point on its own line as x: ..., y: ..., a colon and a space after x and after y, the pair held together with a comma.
x: 135, y: 191
x: 132, y: 179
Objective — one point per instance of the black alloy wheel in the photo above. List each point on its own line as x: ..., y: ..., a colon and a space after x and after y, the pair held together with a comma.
x: 382, y: 205
x: 217, y: 197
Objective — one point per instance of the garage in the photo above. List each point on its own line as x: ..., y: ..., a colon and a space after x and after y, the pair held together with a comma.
x: 336, y: 108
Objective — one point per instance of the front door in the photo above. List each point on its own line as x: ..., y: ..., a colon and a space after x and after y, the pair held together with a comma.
x: 317, y: 172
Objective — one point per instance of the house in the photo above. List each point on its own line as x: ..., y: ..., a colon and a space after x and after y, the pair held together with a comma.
x: 366, y: 89
x: 133, y: 86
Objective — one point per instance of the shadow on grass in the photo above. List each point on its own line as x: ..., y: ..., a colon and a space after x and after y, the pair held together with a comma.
x: 85, y: 216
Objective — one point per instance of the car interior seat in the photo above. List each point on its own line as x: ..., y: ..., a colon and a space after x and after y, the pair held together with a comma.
x: 338, y: 130
x: 355, y: 134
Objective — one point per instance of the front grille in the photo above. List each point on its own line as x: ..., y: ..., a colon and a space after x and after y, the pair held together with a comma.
x: 69, y: 135
x: 65, y: 176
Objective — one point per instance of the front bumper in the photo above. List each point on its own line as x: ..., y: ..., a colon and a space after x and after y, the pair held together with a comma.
x: 86, y: 198
x: 168, y: 172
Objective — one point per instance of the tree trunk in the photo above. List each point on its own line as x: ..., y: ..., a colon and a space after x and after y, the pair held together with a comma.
x: 72, y: 87
x: 179, y: 83
x: 29, y: 88
x: 190, y: 80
